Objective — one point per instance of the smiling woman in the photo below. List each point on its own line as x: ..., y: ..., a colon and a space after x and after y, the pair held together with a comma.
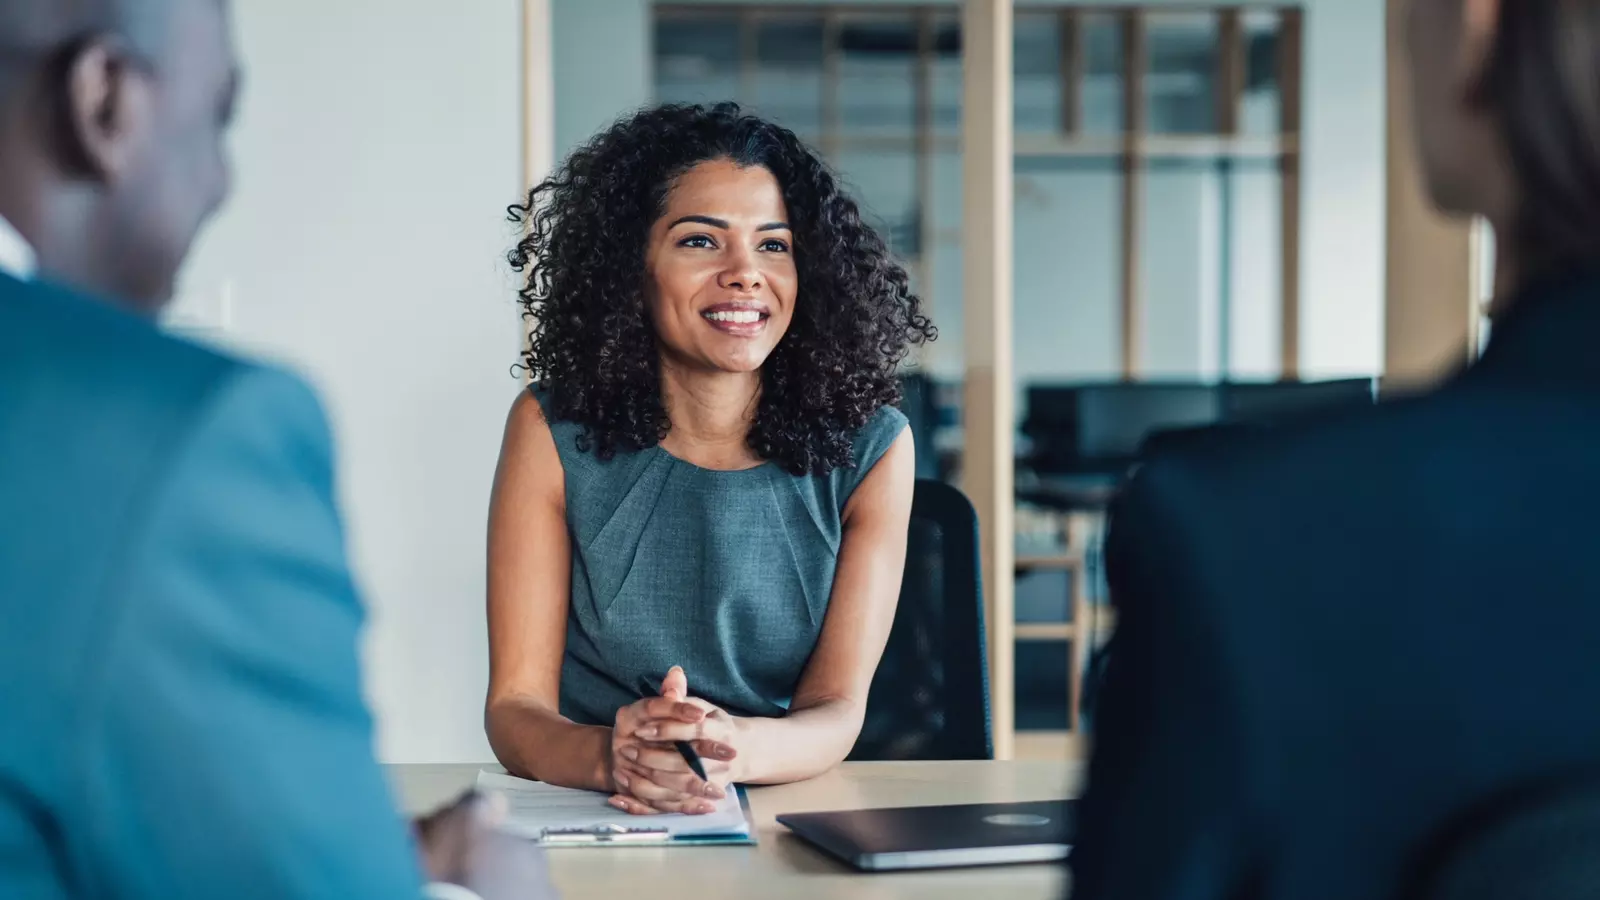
x: 707, y: 486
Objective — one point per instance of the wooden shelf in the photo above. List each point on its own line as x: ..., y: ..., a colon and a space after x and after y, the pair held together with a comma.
x: 1104, y: 621
x: 1045, y: 631
x: 1063, y: 561
x: 1198, y: 146
x: 1053, y: 146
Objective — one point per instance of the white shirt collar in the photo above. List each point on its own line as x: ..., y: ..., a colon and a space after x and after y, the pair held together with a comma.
x: 17, y: 258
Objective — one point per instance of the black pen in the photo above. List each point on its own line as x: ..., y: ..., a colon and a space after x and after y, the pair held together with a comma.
x: 685, y: 749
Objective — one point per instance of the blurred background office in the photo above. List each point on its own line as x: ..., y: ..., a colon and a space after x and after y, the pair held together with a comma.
x: 1207, y: 213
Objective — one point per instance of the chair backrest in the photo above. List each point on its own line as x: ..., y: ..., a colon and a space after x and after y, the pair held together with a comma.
x: 919, y: 402
x: 1536, y: 842
x: 930, y: 695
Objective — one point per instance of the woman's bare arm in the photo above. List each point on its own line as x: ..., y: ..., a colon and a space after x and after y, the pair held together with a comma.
x: 830, y: 702
x: 530, y: 574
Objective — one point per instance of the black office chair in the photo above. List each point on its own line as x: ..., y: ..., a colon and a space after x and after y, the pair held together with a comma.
x: 920, y: 403
x: 1536, y: 842
x: 930, y: 696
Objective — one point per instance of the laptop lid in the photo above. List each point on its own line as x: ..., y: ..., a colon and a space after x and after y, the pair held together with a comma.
x: 924, y: 837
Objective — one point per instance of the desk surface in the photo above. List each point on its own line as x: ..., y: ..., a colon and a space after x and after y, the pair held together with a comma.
x: 783, y: 866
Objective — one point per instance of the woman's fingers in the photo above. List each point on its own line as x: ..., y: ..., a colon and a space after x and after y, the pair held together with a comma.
x: 676, y: 685
x: 651, y: 785
x: 641, y: 785
x: 709, y: 749
x: 664, y: 765
x: 670, y: 729
x: 632, y: 806
x: 677, y: 795
x: 666, y: 730
x: 663, y: 784
x: 666, y: 756
x: 656, y: 708
x: 657, y: 757
x: 668, y: 709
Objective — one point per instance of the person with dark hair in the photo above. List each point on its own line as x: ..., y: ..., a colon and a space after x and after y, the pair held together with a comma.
x: 699, y: 519
x: 1337, y: 641
x: 179, y: 686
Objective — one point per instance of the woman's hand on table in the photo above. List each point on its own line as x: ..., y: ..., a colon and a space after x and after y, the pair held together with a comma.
x: 650, y: 775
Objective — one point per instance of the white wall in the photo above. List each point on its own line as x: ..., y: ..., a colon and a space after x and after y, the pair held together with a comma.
x: 1343, y: 185
x: 378, y: 148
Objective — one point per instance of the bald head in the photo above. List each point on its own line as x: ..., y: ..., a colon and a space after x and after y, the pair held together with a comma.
x: 112, y: 114
x: 34, y: 31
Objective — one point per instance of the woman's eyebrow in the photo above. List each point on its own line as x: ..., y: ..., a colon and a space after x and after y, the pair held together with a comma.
x: 702, y: 220
x: 723, y: 223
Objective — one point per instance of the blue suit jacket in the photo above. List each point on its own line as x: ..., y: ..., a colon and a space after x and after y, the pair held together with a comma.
x: 180, y: 697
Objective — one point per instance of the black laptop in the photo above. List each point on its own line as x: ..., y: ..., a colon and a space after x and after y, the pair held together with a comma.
x: 929, y: 837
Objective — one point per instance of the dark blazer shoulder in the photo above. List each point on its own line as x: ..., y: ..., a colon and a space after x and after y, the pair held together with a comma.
x: 1249, y: 457
x: 1208, y: 506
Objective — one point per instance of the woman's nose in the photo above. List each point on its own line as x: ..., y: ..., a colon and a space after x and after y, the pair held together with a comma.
x: 741, y: 273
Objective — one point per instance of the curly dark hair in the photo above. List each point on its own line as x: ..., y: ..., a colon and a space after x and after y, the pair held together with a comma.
x: 593, y: 347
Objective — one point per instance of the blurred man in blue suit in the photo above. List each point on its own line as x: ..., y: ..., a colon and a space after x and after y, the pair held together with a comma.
x: 179, y: 687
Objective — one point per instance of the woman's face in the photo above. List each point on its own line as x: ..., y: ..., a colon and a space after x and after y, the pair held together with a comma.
x: 721, y: 268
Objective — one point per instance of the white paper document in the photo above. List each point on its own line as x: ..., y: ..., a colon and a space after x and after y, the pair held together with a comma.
x: 533, y: 806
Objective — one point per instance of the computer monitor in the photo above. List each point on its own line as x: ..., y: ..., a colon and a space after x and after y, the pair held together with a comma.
x: 1276, y: 401
x: 1099, y: 428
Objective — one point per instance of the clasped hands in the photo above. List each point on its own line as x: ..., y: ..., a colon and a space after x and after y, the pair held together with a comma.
x: 650, y: 775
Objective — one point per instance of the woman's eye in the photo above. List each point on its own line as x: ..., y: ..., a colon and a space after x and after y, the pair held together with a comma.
x: 775, y: 246
x: 696, y: 240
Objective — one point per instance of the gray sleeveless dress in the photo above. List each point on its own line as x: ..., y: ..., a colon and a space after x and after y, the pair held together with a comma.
x: 724, y: 573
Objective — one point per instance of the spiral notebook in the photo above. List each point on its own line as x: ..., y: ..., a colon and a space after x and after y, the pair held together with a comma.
x: 560, y: 816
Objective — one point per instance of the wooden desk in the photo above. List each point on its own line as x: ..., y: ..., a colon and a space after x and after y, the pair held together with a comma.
x: 783, y: 866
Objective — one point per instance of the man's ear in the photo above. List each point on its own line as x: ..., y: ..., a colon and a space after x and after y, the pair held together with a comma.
x: 108, y: 108
x: 1480, y: 26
